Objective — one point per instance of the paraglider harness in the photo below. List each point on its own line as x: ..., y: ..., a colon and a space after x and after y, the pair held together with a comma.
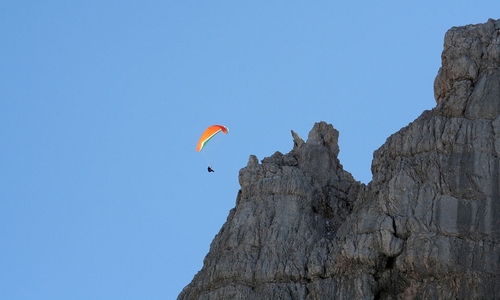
x: 210, y: 169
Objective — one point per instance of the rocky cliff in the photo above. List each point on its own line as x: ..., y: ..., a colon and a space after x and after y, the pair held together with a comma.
x: 426, y: 227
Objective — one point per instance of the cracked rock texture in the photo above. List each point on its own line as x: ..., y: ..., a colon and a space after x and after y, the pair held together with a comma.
x: 426, y: 227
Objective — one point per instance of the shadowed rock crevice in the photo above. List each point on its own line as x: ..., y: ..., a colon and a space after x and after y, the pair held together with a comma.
x: 425, y: 227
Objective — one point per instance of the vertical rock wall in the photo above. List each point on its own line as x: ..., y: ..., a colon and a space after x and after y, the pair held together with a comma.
x: 426, y: 227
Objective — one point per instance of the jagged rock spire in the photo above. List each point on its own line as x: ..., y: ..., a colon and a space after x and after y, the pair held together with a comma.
x: 286, y: 206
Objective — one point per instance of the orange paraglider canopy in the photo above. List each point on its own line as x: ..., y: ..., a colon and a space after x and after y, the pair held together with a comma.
x: 209, y: 133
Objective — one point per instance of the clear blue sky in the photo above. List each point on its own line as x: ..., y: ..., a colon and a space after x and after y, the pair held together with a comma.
x: 102, y: 194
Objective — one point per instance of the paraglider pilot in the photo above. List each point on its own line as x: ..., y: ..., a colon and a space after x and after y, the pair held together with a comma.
x: 207, y: 135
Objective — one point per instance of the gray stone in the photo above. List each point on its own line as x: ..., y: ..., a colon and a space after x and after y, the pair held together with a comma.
x: 426, y: 227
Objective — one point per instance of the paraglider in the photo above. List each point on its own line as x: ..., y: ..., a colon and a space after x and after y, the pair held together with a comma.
x: 209, y: 133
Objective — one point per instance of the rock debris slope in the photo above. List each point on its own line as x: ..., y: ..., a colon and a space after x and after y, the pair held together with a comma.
x: 426, y: 227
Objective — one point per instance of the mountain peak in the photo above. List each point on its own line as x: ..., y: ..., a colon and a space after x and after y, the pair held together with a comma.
x: 426, y: 226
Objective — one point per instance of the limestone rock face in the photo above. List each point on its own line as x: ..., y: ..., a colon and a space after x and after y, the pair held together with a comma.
x: 468, y: 83
x: 274, y: 240
x: 426, y: 227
